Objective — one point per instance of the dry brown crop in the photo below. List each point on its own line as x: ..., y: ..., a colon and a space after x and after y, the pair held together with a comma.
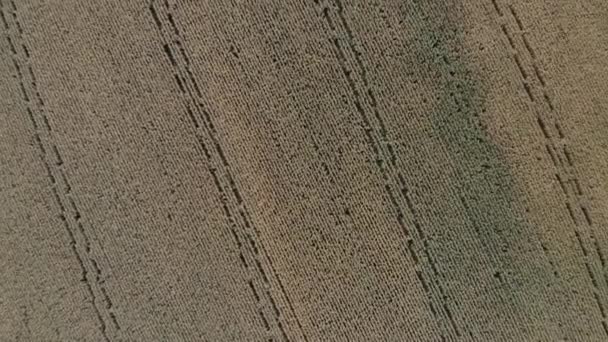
x: 316, y: 170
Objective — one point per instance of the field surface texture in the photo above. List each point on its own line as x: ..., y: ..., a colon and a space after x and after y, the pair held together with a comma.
x: 303, y: 170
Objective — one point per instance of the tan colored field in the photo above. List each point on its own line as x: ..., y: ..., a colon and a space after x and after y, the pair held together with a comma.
x: 334, y: 170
